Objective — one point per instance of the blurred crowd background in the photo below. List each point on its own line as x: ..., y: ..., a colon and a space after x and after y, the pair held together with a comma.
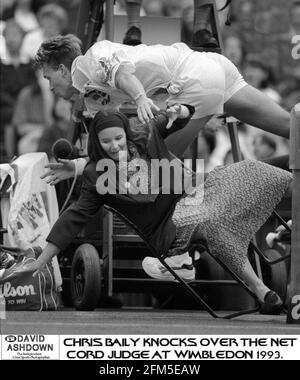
x: 258, y: 42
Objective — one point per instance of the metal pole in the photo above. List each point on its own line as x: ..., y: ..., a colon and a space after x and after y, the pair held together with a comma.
x: 83, y: 23
x: 107, y: 254
x: 293, y: 315
x: 109, y: 20
x: 234, y: 139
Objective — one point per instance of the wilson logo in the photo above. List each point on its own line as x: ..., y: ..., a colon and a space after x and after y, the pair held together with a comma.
x: 7, y: 290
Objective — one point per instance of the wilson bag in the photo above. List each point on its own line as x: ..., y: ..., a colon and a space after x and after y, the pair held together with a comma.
x: 22, y: 291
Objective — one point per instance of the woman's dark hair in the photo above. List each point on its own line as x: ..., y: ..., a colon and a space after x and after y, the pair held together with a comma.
x: 136, y: 133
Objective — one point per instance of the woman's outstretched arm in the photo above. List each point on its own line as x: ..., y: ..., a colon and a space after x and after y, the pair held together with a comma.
x: 72, y: 221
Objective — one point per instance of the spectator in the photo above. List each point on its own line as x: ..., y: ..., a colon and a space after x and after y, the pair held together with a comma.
x: 7, y: 9
x: 16, y: 73
x: 5, y: 14
x: 287, y: 42
x: 187, y: 25
x: 233, y: 50
x: 153, y: 8
x: 264, y: 147
x: 294, y: 17
x: 72, y: 8
x: 53, y: 20
x: 62, y: 116
x: 291, y: 99
x: 29, y: 118
x: 287, y: 85
x: 2, y: 39
x: 24, y: 15
x: 206, y: 144
x: 260, y: 76
x: 172, y: 8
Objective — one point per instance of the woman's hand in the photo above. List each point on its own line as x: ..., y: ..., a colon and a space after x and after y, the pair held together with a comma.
x: 173, y: 113
x: 37, y: 266
x: 144, y: 108
x: 34, y: 267
x: 60, y: 171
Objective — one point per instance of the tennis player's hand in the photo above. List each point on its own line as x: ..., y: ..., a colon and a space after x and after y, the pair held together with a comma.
x: 60, y: 171
x: 145, y: 108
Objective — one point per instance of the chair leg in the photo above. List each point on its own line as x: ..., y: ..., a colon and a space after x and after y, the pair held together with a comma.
x: 10, y: 140
x: 199, y: 299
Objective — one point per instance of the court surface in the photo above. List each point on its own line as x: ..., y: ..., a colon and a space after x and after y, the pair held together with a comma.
x: 141, y: 321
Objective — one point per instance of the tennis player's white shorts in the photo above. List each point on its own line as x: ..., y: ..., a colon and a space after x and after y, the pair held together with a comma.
x: 206, y: 81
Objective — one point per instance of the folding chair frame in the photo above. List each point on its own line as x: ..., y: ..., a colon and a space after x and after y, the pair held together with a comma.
x: 186, y: 285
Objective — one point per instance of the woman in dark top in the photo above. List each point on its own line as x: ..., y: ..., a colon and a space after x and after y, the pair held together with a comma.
x: 225, y: 211
x: 16, y: 72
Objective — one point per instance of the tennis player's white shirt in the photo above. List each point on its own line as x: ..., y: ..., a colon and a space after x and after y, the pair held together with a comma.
x: 204, y: 80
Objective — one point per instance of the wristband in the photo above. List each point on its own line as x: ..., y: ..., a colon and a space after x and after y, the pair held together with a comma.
x: 139, y: 95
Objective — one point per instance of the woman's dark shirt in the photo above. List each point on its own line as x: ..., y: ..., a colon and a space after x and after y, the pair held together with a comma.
x: 150, y: 218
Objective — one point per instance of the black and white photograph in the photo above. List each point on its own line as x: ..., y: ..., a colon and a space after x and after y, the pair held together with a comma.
x: 150, y: 184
